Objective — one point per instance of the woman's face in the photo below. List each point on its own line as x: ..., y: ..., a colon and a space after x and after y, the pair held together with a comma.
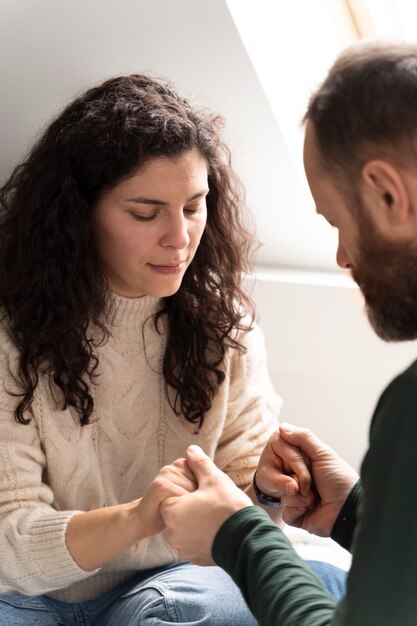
x: 149, y: 226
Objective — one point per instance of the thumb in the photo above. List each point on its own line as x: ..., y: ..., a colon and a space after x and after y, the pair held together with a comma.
x: 303, y: 438
x: 200, y: 464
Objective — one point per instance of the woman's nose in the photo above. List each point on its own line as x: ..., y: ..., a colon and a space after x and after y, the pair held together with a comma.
x: 176, y: 234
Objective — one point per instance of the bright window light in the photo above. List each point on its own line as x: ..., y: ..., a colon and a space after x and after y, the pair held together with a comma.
x: 393, y: 19
x: 405, y: 14
x: 291, y: 49
x: 291, y: 46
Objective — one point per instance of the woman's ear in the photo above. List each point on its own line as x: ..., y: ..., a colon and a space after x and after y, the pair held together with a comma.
x: 386, y: 195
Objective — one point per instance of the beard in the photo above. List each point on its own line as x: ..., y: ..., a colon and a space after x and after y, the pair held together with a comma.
x: 386, y: 273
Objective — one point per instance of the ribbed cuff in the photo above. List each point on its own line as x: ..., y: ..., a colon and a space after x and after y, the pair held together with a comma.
x: 344, y: 526
x: 51, y: 564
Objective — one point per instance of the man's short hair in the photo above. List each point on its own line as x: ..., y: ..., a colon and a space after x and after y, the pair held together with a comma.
x: 366, y: 108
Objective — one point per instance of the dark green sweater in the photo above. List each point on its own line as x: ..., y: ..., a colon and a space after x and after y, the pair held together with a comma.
x: 280, y: 588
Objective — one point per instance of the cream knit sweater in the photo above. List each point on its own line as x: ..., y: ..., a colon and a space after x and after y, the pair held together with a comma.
x: 53, y: 468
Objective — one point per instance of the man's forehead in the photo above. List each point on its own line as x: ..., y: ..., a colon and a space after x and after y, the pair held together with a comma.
x: 312, y: 158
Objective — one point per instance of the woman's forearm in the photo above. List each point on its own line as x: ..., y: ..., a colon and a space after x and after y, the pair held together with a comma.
x: 96, y: 537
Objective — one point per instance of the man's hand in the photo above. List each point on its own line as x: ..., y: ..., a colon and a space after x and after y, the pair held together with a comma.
x: 193, y: 519
x: 331, y: 480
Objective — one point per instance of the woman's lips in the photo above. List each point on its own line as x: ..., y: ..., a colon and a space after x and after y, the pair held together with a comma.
x: 168, y: 269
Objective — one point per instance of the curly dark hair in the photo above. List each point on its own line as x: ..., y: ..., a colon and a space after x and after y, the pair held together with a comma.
x: 52, y: 283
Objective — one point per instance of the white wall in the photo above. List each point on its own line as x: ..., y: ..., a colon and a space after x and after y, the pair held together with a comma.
x: 324, y: 358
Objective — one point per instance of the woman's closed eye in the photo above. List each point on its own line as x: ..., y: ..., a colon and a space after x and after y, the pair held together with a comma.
x: 189, y: 211
x: 194, y: 210
x: 143, y: 218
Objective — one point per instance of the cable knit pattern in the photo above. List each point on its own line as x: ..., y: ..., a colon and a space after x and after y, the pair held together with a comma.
x: 53, y: 468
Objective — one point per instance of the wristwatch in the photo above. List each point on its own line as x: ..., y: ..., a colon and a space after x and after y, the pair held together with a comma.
x: 263, y: 498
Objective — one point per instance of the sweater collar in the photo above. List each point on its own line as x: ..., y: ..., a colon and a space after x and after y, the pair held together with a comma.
x: 130, y: 313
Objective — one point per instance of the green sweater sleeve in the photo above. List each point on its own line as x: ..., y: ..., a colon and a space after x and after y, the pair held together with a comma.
x: 280, y: 588
x: 345, y: 524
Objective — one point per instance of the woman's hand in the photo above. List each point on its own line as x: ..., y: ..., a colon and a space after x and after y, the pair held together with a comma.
x: 172, y: 480
x: 284, y: 472
x: 96, y: 537
x: 331, y: 481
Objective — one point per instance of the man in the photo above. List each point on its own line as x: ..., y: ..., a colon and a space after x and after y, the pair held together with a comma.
x: 360, y: 158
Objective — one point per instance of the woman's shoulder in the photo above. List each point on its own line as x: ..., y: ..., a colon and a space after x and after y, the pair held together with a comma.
x: 249, y: 333
x: 249, y: 348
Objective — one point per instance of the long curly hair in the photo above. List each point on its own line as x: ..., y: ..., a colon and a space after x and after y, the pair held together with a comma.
x: 52, y: 283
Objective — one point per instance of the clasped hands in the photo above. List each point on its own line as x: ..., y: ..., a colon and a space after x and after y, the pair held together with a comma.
x: 192, y: 498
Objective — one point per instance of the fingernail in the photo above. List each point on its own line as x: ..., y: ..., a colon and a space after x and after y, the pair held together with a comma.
x: 194, y: 449
x: 286, y: 428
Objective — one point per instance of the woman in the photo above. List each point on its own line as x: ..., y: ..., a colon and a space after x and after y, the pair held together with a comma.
x: 125, y: 336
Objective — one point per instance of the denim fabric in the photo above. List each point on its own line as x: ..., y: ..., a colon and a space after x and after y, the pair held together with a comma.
x: 333, y: 577
x: 182, y: 594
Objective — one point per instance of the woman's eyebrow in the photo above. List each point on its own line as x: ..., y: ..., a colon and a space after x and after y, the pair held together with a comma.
x: 144, y: 200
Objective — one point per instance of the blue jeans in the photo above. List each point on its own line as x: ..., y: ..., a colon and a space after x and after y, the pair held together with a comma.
x: 333, y: 577
x: 181, y: 594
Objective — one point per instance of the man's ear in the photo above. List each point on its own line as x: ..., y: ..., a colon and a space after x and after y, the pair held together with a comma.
x: 386, y: 195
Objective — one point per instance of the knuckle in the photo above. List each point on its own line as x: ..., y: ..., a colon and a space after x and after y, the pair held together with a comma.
x: 158, y: 483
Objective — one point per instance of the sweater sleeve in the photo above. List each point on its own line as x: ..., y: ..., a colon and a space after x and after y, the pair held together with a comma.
x: 34, y: 557
x: 381, y: 588
x: 252, y: 411
x: 279, y: 587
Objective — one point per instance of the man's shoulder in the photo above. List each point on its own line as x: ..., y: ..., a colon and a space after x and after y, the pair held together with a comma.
x: 398, y: 402
x: 406, y: 381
